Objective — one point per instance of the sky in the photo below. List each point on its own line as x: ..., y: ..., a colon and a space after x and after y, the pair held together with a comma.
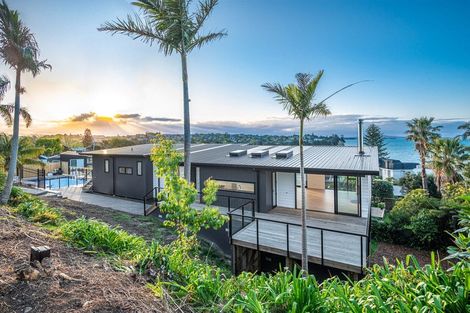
x: 415, y: 54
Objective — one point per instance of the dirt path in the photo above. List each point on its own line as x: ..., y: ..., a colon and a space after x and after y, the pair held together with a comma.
x: 71, y: 281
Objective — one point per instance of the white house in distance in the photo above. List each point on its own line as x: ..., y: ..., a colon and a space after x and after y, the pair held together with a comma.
x: 396, y: 169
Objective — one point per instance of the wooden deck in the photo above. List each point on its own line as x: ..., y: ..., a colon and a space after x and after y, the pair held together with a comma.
x: 341, y: 237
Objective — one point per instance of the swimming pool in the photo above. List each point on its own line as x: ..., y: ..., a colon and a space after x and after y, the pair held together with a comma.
x: 58, y: 182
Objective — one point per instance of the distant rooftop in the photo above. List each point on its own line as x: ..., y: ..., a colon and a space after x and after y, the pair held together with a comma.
x: 328, y: 159
x: 392, y: 164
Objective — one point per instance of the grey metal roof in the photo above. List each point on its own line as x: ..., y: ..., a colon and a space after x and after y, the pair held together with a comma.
x: 319, y: 159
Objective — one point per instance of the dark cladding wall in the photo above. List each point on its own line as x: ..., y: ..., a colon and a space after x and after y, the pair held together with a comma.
x: 131, y: 185
x: 102, y: 182
x: 262, y: 187
x: 265, y: 191
x: 124, y: 185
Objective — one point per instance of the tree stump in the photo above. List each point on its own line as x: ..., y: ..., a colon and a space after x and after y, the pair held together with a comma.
x: 39, y: 253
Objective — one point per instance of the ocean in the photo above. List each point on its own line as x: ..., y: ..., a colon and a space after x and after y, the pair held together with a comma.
x: 398, y: 148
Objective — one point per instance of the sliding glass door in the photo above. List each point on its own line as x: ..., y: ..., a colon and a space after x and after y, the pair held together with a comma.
x: 348, y: 195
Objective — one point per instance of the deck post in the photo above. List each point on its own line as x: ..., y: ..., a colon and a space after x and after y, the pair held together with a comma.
x: 321, y: 246
x: 257, y: 235
x: 287, y: 241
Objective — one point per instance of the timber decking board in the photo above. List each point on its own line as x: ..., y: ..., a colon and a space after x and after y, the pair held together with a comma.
x: 339, y: 250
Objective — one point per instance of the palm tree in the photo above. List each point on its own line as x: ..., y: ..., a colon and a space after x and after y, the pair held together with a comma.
x: 422, y: 133
x: 298, y: 100
x: 6, y: 110
x: 170, y: 25
x: 28, y: 153
x: 448, y: 160
x: 20, y: 51
x: 466, y: 130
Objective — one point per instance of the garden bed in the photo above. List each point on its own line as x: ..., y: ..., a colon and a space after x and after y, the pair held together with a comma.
x: 71, y: 282
x: 393, y: 252
x: 148, y: 227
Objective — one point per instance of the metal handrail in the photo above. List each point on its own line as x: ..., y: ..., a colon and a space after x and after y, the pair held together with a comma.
x: 321, y: 229
x: 229, y: 200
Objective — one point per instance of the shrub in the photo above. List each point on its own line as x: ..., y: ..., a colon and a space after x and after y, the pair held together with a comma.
x: 90, y: 234
x: 451, y: 191
x: 37, y: 210
x: 381, y: 190
x: 425, y: 228
x: 412, y: 181
x: 410, y: 205
x: 381, y: 230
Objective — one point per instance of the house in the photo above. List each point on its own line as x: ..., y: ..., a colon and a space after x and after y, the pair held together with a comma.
x: 390, y: 168
x: 71, y: 160
x: 259, y: 188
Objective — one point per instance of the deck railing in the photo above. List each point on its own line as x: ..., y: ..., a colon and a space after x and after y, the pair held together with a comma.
x: 151, y: 199
x: 253, y: 218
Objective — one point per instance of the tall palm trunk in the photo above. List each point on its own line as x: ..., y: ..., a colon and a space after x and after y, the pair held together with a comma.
x: 15, y: 142
x: 187, y: 129
x: 424, y: 181
x: 304, y: 210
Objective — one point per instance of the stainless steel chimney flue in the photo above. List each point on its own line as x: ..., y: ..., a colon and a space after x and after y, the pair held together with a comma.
x: 360, y: 143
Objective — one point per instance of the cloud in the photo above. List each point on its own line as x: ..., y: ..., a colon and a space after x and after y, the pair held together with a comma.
x: 138, y: 117
x: 132, y: 123
x: 160, y: 119
x: 127, y: 116
x: 82, y: 117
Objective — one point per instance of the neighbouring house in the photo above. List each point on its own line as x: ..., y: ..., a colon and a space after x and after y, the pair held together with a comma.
x: 70, y: 160
x: 390, y: 168
x: 259, y: 188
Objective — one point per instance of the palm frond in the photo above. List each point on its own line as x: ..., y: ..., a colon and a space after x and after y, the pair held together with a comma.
x: 4, y: 86
x: 345, y: 87
x: 5, y: 113
x: 200, y: 41
x: 24, y: 112
x: 137, y: 28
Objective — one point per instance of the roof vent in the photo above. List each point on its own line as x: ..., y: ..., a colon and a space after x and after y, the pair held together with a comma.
x: 237, y: 153
x: 284, y: 154
x: 259, y: 153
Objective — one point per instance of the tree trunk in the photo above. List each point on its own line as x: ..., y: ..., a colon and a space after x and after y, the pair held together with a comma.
x: 14, y: 142
x: 424, y: 180
x: 304, y: 209
x: 187, y: 123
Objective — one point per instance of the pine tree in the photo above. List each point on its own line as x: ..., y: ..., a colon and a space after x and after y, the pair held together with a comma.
x: 375, y: 137
x: 87, y: 140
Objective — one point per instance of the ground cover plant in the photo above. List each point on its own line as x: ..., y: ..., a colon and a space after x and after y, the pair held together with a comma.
x: 176, y: 269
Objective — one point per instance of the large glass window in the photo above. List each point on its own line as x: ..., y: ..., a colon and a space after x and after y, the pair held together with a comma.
x: 348, y: 195
x: 235, y: 186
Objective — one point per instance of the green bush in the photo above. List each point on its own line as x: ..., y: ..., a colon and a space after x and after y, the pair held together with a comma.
x: 415, y: 201
x: 425, y: 227
x: 3, y: 179
x: 412, y: 181
x: 36, y: 210
x: 381, y: 190
x: 416, y: 220
x: 90, y: 234
x: 382, y: 230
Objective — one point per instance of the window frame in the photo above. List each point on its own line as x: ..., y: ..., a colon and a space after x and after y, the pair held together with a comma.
x: 235, y: 182
x: 139, y: 166
x: 124, y: 170
x: 106, y: 165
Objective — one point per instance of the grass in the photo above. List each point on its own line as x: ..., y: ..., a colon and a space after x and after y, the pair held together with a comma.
x: 90, y: 234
